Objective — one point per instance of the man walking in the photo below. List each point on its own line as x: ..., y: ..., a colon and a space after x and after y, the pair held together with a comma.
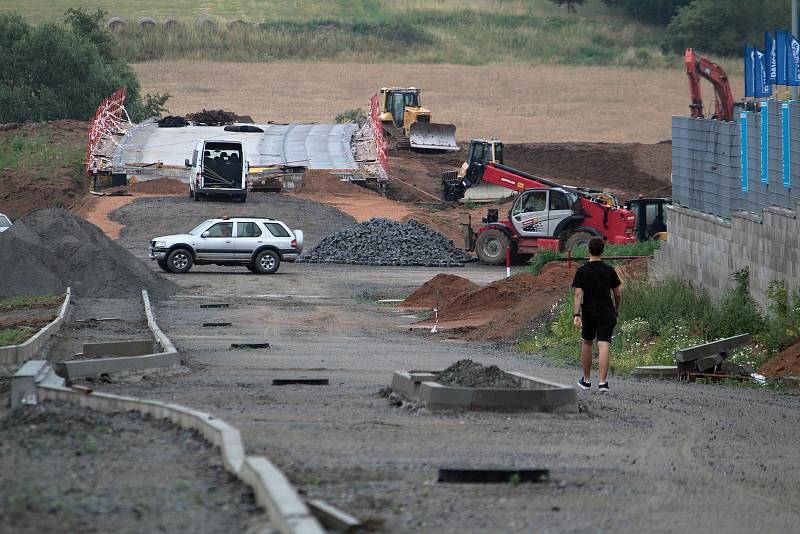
x: 594, y: 312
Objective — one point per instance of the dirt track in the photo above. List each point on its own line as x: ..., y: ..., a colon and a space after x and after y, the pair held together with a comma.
x: 648, y: 457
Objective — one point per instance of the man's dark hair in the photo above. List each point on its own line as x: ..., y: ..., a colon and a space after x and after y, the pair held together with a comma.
x: 596, y: 246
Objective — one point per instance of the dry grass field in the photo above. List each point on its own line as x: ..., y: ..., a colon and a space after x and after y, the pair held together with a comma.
x: 515, y: 103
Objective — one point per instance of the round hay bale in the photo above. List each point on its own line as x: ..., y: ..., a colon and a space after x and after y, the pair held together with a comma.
x: 238, y: 24
x: 205, y: 24
x: 146, y: 23
x: 116, y: 24
x: 171, y: 23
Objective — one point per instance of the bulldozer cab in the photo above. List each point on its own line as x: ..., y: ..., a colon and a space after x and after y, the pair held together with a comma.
x: 482, y: 152
x: 397, y: 100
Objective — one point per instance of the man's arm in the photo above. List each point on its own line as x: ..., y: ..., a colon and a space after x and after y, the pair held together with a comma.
x: 576, y: 307
x: 617, y: 299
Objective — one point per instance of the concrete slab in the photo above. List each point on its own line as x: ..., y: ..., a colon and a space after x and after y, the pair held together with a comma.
x: 99, y: 366
x: 534, y: 394
x: 715, y: 347
x: 332, y: 518
x: 137, y: 347
x: 667, y: 372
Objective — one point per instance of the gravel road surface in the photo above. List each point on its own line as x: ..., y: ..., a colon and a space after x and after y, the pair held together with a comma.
x: 69, y: 469
x: 647, y: 457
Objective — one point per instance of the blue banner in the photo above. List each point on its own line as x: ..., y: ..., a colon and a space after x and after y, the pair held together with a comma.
x: 793, y: 60
x: 772, y: 58
x: 749, y: 72
x: 764, y: 142
x: 744, y: 155
x: 781, y: 57
x: 787, y: 146
x: 763, y: 89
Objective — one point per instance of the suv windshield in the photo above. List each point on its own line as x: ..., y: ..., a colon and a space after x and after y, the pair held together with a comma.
x: 196, y: 230
x: 4, y: 222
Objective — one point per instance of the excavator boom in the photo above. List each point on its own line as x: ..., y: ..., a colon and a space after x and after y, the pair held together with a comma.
x: 698, y: 67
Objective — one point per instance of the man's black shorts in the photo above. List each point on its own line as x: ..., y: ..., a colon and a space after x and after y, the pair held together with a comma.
x: 599, y: 326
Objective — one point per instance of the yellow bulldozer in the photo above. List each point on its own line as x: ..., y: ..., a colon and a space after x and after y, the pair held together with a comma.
x: 408, y: 125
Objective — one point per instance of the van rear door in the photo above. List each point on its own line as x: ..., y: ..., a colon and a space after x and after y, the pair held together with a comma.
x: 223, y: 164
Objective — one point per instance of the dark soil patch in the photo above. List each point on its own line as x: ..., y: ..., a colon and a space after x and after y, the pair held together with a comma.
x: 69, y: 469
x: 161, y: 186
x: 466, y: 373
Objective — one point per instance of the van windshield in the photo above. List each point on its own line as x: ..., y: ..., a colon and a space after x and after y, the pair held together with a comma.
x: 196, y: 230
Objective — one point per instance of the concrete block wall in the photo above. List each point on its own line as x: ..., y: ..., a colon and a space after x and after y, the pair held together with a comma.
x: 706, y: 249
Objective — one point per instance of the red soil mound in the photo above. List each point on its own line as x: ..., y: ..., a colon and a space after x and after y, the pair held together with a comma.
x: 163, y: 186
x: 784, y: 363
x: 439, y: 292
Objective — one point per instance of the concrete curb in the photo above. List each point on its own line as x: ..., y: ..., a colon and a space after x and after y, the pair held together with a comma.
x: 287, y: 511
x: 15, y: 354
x: 122, y: 364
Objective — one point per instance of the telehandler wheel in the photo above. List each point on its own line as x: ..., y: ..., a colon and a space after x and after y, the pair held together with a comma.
x: 577, y: 240
x: 491, y: 247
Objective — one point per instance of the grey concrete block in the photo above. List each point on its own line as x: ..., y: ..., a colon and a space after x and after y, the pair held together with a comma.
x: 99, y: 366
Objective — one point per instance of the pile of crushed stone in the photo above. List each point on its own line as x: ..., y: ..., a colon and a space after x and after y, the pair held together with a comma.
x: 466, y: 373
x: 49, y: 250
x: 384, y: 242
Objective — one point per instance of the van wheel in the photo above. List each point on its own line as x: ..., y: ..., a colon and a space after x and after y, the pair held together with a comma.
x: 243, y: 198
x: 267, y: 262
x: 179, y: 261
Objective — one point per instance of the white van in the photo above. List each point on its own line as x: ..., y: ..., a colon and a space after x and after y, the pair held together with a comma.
x: 218, y: 169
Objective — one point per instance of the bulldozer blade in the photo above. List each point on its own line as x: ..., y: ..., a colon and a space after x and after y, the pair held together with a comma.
x: 433, y: 136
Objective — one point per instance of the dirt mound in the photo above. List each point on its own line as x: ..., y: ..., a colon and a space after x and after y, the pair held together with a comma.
x: 217, y: 117
x: 163, y: 186
x: 322, y: 182
x: 784, y: 363
x: 466, y: 373
x: 42, y: 181
x: 51, y: 249
x: 439, y: 291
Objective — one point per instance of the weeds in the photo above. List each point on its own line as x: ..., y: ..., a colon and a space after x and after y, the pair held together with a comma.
x: 641, y: 248
x: 15, y: 336
x: 12, y: 303
x: 37, y: 148
x: 357, y: 115
x: 659, y: 318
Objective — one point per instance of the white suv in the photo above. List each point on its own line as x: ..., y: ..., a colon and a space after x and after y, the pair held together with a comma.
x: 258, y: 243
x: 5, y: 223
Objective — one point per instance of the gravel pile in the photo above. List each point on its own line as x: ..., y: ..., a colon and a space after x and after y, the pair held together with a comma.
x: 466, y: 373
x: 49, y: 250
x: 385, y: 242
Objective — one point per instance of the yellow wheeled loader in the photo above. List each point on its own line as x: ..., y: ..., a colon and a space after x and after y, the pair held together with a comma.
x: 409, y: 125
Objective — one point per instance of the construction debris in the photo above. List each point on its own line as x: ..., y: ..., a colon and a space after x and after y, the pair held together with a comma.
x: 217, y: 117
x: 384, y: 242
x: 172, y: 121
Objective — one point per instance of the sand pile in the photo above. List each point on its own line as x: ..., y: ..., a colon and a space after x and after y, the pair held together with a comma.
x: 439, y: 291
x: 51, y: 249
x: 786, y: 363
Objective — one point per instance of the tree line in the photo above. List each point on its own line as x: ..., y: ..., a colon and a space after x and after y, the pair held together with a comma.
x: 711, y: 26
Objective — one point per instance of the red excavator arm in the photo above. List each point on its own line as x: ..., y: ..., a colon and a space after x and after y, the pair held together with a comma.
x: 699, y: 67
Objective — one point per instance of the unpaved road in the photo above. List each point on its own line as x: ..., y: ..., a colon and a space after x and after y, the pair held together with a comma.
x: 647, y: 457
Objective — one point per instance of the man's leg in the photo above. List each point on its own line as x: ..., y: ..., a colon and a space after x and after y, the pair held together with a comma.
x: 586, y: 359
x: 604, y: 348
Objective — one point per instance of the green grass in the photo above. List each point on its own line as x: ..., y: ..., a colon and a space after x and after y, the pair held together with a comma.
x: 659, y: 318
x: 411, y: 31
x: 37, y: 148
x: 641, y: 248
x: 13, y: 303
x: 15, y: 336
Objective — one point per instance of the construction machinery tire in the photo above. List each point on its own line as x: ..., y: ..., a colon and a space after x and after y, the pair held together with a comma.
x: 491, y: 246
x: 179, y: 261
x: 577, y: 240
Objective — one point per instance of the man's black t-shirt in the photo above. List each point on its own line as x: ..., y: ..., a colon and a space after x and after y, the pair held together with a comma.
x: 597, y: 279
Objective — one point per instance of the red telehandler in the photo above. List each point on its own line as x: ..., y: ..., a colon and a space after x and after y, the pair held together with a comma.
x: 545, y: 215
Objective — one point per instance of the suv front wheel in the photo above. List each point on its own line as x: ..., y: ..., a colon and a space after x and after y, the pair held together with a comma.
x: 179, y: 261
x: 267, y: 262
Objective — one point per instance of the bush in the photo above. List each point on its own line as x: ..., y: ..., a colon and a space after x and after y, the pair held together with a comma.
x: 50, y: 72
x: 651, y: 11
x: 356, y: 115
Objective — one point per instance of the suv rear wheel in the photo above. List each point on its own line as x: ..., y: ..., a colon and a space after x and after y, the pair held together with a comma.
x: 267, y: 262
x: 179, y: 261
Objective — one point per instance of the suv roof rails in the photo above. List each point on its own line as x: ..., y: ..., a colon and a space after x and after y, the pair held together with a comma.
x: 227, y: 218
